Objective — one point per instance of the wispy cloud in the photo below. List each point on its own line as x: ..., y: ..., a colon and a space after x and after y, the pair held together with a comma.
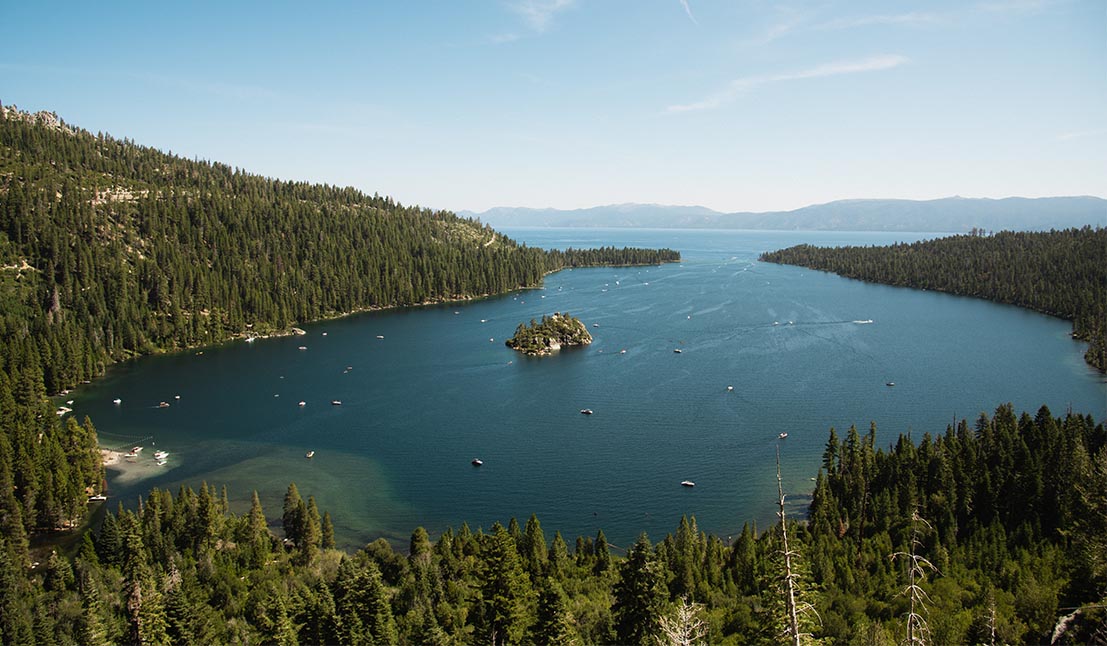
x: 838, y: 68
x: 1015, y: 6
x: 688, y: 10
x: 914, y: 17
x: 538, y: 13
x: 1082, y: 134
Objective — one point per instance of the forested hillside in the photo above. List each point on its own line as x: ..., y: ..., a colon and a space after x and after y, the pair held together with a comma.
x: 1005, y: 521
x: 110, y: 250
x: 1062, y: 273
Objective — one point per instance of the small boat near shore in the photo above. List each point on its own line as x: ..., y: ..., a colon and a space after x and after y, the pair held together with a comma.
x: 309, y: 455
x: 161, y: 455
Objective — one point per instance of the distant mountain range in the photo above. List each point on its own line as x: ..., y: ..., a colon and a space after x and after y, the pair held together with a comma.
x: 946, y: 215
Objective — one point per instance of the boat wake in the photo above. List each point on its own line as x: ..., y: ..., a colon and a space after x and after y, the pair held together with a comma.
x: 865, y: 322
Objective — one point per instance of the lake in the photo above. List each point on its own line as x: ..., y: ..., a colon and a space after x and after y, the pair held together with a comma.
x: 425, y: 390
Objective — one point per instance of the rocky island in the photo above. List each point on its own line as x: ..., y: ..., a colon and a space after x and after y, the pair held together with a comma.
x: 552, y: 333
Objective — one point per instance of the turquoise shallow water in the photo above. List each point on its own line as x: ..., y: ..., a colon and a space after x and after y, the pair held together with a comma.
x: 440, y: 388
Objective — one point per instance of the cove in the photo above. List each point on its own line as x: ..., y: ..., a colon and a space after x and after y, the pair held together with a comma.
x: 425, y: 390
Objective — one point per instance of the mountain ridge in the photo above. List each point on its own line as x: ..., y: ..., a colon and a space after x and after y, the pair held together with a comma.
x: 954, y: 214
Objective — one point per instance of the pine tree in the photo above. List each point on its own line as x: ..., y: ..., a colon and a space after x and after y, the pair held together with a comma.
x: 640, y: 596
x: 502, y: 615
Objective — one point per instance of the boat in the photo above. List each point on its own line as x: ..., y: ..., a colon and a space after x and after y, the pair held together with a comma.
x: 117, y: 401
x: 309, y: 455
x: 687, y: 483
x: 380, y: 336
x: 730, y: 389
x: 250, y: 339
x: 62, y: 410
x: 622, y: 351
x: 677, y: 350
x: 136, y: 450
x: 163, y: 404
x: 97, y: 497
x: 890, y: 384
x: 782, y: 435
x: 303, y: 404
x: 162, y: 462
x: 303, y: 347
x: 335, y: 402
x: 595, y: 325
x: 477, y: 462
x: 586, y: 411
x: 161, y: 455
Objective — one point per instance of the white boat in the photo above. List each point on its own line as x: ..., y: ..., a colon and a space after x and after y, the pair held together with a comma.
x: 309, y: 455
x: 161, y: 455
x: 250, y: 339
x: 782, y: 435
x: 335, y: 402
x: 162, y: 462
x: 117, y: 401
x: 163, y: 404
x: 595, y: 325
x: 477, y: 462
x: 303, y: 347
x: 678, y: 350
x: 380, y: 336
x: 890, y: 384
x: 687, y: 483
x: 586, y: 411
x: 97, y: 497
x: 730, y: 389
x: 302, y: 404
x: 136, y: 450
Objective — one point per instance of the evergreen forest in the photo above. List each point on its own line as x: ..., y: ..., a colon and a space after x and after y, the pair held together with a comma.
x: 991, y: 531
x: 1061, y: 273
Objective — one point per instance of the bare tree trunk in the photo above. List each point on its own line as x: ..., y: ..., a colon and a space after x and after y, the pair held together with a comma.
x: 790, y: 600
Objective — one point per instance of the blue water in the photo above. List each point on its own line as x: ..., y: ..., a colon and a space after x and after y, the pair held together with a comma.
x: 441, y: 389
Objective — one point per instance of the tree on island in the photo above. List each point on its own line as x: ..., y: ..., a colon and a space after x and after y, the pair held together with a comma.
x: 552, y: 333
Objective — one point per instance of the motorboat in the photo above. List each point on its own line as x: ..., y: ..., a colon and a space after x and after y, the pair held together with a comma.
x: 782, y: 435
x: 117, y: 401
x: 309, y: 455
x: 161, y: 455
x: 687, y: 483
x: 586, y: 411
x: 890, y: 384
x: 302, y: 404
x: 335, y: 402
x: 477, y: 462
x: 677, y: 350
x: 163, y: 404
x: 730, y: 389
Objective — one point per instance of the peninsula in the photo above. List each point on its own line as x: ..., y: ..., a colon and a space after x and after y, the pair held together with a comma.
x: 552, y: 333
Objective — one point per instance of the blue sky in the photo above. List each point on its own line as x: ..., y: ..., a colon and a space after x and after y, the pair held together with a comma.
x: 734, y: 105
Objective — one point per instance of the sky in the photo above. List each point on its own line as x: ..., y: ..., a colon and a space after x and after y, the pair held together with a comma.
x: 736, y: 105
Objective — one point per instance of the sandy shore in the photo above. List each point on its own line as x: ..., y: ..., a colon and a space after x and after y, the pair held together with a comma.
x: 126, y: 471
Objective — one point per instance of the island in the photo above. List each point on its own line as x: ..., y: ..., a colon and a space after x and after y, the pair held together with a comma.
x: 550, y: 334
